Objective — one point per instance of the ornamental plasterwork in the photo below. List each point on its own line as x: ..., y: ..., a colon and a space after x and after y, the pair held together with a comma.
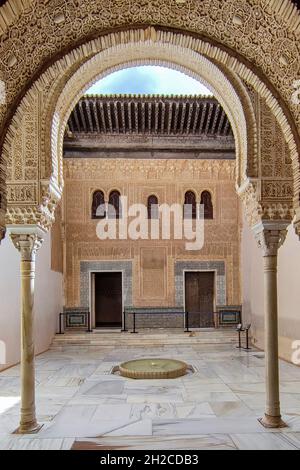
x: 66, y: 66
x: 44, y: 95
x: 265, y: 32
x: 221, y: 234
x: 158, y: 53
x: 54, y: 166
x: 91, y: 169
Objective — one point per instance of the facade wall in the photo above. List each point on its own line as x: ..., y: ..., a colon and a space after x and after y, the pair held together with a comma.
x: 153, y: 261
x: 288, y: 290
x: 48, y: 300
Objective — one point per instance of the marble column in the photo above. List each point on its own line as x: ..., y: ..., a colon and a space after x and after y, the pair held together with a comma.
x: 27, y: 245
x: 270, y: 237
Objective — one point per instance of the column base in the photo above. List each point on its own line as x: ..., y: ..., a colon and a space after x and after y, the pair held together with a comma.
x: 272, y: 422
x: 32, y: 428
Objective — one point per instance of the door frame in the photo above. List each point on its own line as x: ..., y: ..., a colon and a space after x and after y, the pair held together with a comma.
x: 215, y: 286
x: 92, y: 305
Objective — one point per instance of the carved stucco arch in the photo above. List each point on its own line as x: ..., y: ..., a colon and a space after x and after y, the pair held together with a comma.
x: 264, y: 33
x: 52, y: 83
x: 150, y: 53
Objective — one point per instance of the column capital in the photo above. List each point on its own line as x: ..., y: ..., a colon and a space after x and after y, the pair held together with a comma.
x: 270, y: 236
x: 26, y: 244
x: 27, y: 239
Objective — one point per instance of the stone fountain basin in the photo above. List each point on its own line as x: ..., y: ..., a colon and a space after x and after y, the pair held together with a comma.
x: 153, y: 368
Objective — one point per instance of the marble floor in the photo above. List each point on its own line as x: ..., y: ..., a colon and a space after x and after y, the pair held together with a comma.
x: 83, y: 406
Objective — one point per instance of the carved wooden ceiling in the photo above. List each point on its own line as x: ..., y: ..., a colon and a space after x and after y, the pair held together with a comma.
x: 166, y: 115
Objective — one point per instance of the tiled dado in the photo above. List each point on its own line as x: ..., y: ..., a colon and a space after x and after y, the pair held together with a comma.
x: 86, y: 267
x: 217, y: 266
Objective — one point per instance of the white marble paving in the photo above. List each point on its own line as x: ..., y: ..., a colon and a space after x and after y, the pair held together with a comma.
x: 81, y: 404
x: 203, y: 442
x: 36, y: 444
x: 265, y: 441
x: 209, y: 426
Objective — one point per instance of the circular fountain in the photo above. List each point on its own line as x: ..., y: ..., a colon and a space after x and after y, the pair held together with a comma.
x: 153, y: 369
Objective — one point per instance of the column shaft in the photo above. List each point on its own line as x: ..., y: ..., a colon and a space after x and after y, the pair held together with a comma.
x: 27, y: 244
x: 28, y: 417
x: 270, y: 236
x: 271, y: 339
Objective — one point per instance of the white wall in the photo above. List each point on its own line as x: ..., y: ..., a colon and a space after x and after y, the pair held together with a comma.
x: 288, y: 290
x: 48, y: 299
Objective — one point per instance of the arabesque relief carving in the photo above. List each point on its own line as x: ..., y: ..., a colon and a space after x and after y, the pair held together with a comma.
x: 50, y: 87
x: 265, y: 33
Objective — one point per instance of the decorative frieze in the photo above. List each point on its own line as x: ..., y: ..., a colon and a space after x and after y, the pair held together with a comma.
x: 162, y: 169
x: 22, y: 193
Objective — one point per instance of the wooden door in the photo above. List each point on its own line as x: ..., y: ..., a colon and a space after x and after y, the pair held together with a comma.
x: 199, y: 299
x: 108, y: 299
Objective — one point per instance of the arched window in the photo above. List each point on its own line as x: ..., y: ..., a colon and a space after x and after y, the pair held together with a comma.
x: 98, y: 200
x: 208, y: 205
x: 114, y: 201
x: 190, y: 206
x: 152, y: 207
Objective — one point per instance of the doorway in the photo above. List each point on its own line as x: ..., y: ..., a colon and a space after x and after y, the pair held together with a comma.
x: 199, y: 298
x: 108, y: 299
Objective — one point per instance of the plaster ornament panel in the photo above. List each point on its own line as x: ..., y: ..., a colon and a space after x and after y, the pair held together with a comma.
x: 281, y: 190
x: 153, y: 277
x: 275, y: 157
x: 28, y: 215
x: 250, y: 196
x: 22, y: 193
x: 277, y: 211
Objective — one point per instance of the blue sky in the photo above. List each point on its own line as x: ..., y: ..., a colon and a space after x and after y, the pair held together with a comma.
x: 148, y: 79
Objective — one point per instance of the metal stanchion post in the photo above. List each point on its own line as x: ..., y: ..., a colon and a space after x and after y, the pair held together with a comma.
x: 247, y: 328
x: 187, y: 330
x: 124, y: 322
x: 134, y: 324
x: 89, y: 330
x: 239, y: 330
x: 60, y: 329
